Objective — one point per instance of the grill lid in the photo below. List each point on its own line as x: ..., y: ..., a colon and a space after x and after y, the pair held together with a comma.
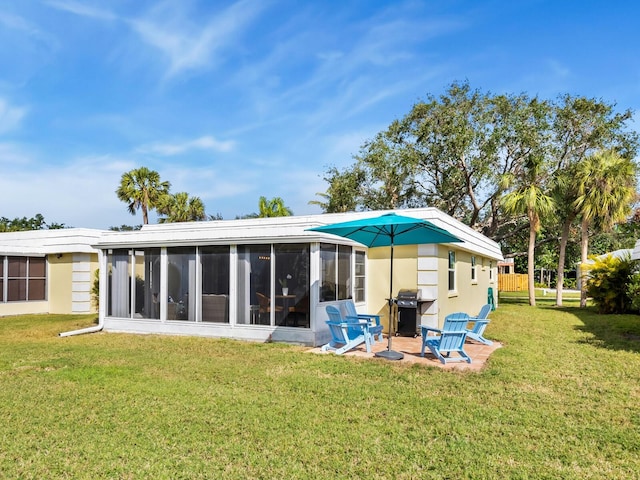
x: 408, y: 294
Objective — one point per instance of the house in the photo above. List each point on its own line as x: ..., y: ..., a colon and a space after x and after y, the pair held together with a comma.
x: 271, y: 279
x: 47, y: 271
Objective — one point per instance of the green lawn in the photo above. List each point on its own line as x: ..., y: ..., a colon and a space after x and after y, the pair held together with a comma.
x: 561, y: 399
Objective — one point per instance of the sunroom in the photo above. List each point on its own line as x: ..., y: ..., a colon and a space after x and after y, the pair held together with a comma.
x: 256, y: 279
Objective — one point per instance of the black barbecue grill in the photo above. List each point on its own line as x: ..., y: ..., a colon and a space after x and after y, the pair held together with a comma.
x: 407, y: 301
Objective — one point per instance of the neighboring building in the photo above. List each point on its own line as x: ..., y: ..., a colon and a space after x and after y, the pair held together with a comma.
x: 47, y: 271
x: 506, y: 267
x: 271, y: 279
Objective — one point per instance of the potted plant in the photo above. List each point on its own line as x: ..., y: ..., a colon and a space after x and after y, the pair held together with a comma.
x: 283, y: 284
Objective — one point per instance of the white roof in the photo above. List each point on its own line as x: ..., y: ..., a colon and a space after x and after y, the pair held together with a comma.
x: 44, y: 242
x: 291, y: 229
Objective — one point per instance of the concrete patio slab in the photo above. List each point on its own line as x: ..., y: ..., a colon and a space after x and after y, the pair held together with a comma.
x: 411, y: 346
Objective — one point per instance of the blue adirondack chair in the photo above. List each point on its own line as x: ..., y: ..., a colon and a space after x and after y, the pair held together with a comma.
x: 346, y: 332
x: 374, y: 320
x: 448, y: 339
x: 480, y: 323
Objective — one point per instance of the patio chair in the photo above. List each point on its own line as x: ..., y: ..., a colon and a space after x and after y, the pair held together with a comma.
x: 346, y: 332
x: 448, y: 339
x: 480, y: 323
x: 265, y: 307
x: 375, y: 328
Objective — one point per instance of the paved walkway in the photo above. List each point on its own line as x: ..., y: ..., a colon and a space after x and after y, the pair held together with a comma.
x: 411, y: 348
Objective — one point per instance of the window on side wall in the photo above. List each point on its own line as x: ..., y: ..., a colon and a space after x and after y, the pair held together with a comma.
x: 359, y: 276
x: 335, y: 272
x: 452, y: 270
x: 490, y: 271
x: 26, y: 279
x: 474, y: 270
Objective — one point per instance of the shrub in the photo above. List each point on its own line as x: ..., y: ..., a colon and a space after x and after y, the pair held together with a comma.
x: 609, y: 281
x: 95, y: 289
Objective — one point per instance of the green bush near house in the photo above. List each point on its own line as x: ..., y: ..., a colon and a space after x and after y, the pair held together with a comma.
x: 560, y: 399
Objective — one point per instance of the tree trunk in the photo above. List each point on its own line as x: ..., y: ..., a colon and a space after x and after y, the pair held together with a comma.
x: 584, y: 248
x: 531, y: 265
x: 562, y: 255
x: 145, y: 215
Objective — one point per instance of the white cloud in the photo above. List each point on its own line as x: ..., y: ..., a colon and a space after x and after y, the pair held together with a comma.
x: 15, y: 22
x: 13, y: 155
x: 10, y: 116
x: 81, y: 9
x: 206, y: 142
x: 187, y: 46
x: 80, y: 193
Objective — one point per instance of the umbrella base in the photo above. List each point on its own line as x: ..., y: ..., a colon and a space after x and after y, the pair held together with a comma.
x: 390, y: 355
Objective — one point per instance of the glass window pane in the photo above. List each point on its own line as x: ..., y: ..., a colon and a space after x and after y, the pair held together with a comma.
x: 37, y: 289
x: 37, y: 267
x: 360, y: 259
x: 452, y: 270
x: 118, y: 284
x: 344, y: 272
x: 17, y: 267
x: 215, y: 283
x: 1, y: 287
x: 292, y: 291
x: 328, y: 272
x: 473, y: 268
x: 254, y: 284
x: 181, y: 281
x: 147, y: 292
x: 16, y: 290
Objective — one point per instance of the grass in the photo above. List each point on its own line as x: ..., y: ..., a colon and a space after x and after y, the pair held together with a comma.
x: 559, y: 400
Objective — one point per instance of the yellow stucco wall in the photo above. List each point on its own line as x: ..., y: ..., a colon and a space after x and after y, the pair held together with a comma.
x: 59, y: 283
x: 405, y: 267
x: 63, y: 280
x: 468, y: 297
x: 23, y: 308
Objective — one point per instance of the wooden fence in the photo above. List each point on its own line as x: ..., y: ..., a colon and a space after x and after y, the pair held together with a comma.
x: 512, y: 282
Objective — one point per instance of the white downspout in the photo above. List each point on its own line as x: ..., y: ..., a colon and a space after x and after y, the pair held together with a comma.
x: 102, y: 302
x: 93, y: 329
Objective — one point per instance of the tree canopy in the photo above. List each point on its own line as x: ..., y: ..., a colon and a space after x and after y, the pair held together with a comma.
x: 36, y: 222
x: 142, y: 189
x: 495, y: 162
x: 181, y: 208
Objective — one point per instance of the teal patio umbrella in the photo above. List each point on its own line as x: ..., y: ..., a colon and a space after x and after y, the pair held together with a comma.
x: 389, y: 230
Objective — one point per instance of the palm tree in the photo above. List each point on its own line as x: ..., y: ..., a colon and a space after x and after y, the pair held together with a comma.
x: 142, y: 189
x: 530, y: 198
x: 273, y: 208
x: 181, y: 208
x: 564, y: 193
x: 606, y: 190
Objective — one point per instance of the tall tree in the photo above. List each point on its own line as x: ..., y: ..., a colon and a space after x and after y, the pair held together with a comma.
x: 580, y: 127
x: 273, y: 208
x: 449, y: 152
x: 606, y: 190
x: 344, y: 192
x: 455, y: 150
x: 386, y: 167
x: 528, y: 188
x: 141, y: 188
x: 181, y: 208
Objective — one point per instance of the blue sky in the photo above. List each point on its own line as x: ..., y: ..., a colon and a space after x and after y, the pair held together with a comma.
x: 233, y: 100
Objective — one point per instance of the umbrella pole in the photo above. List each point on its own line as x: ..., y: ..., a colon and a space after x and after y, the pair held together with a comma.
x: 388, y: 353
